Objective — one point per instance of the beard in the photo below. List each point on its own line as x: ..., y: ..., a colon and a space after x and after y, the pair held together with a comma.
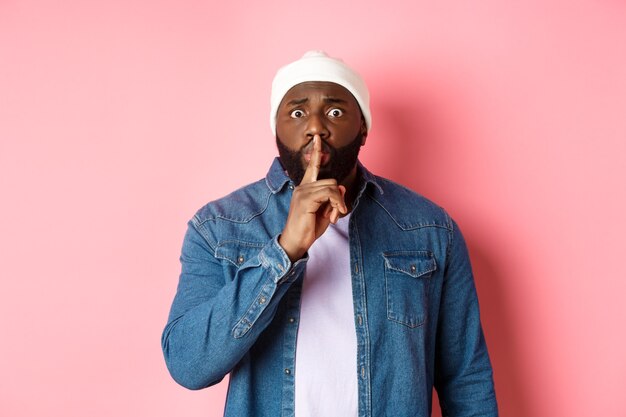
x: 340, y: 164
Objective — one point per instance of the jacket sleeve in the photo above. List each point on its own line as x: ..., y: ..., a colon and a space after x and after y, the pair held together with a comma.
x: 215, y: 317
x: 463, y: 373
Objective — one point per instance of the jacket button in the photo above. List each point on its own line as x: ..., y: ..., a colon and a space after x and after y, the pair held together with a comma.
x: 291, y: 320
x: 287, y: 371
x: 240, y: 259
x: 262, y: 300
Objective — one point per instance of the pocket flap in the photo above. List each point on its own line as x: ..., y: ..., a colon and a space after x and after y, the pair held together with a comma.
x: 236, y: 251
x: 413, y: 263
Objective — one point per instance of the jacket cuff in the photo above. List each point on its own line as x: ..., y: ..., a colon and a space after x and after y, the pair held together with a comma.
x: 274, y: 258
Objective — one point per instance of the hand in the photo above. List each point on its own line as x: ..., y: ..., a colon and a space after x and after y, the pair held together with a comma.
x: 314, y: 205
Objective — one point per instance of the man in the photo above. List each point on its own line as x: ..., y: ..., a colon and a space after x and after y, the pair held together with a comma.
x: 323, y: 289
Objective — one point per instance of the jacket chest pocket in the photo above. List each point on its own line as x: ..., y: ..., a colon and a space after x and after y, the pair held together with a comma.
x: 407, y: 282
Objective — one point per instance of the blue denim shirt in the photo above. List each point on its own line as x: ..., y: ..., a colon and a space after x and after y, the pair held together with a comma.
x: 416, y: 313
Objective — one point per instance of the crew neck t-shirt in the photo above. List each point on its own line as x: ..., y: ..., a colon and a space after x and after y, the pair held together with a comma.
x: 326, y: 382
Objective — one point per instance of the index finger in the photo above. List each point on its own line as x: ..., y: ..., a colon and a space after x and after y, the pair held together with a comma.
x: 313, y: 169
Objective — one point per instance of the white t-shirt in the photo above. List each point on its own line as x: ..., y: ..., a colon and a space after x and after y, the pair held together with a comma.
x: 326, y: 348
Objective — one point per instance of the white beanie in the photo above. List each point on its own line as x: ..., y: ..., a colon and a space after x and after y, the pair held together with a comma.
x: 318, y: 66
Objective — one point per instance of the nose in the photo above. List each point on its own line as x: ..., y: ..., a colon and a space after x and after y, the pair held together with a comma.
x: 316, y: 125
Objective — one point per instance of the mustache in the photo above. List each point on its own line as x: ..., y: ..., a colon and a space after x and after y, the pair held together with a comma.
x: 342, y: 159
x: 308, y: 147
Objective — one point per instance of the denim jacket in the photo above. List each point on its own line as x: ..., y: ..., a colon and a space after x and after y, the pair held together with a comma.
x: 416, y: 313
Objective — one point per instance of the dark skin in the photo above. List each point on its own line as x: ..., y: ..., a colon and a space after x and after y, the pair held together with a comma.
x: 314, y: 116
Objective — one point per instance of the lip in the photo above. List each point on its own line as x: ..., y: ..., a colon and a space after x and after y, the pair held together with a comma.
x: 325, y: 157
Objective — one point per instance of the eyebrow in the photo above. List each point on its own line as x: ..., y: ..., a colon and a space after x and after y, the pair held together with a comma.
x: 334, y: 100
x: 299, y: 101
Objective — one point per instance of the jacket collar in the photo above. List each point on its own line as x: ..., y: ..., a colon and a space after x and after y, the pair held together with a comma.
x: 276, y: 177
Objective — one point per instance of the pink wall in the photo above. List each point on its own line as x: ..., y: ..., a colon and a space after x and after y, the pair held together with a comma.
x: 119, y: 119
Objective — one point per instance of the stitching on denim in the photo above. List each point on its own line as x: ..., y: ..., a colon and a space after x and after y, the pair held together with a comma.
x: 260, y: 311
x: 198, y: 226
x: 284, y: 257
x: 368, y: 179
x: 407, y: 227
x: 432, y: 264
x: 391, y: 314
x: 450, y: 237
x: 371, y: 178
x: 242, y: 242
x: 238, y: 244
x: 271, y: 186
x: 263, y: 259
x: 405, y: 188
x: 277, y: 273
x: 409, y: 324
x: 213, y: 217
x: 248, y: 219
x: 366, y: 348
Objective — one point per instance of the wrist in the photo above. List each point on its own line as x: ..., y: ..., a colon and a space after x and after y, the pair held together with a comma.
x: 293, y: 251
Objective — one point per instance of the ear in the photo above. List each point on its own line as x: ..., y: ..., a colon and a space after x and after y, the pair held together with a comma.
x: 363, y: 131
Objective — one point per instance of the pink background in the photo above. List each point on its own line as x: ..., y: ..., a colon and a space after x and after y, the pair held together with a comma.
x: 119, y: 119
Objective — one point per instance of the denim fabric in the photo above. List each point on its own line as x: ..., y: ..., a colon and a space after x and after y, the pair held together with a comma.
x: 415, y: 307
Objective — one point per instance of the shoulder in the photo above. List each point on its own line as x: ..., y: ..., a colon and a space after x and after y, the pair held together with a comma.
x: 240, y: 206
x: 247, y: 202
x: 407, y: 208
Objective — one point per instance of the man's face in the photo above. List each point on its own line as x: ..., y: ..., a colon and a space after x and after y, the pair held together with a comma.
x: 325, y: 109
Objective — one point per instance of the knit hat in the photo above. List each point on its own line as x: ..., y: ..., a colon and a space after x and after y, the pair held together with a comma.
x: 318, y: 66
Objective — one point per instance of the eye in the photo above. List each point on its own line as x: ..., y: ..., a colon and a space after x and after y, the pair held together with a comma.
x: 296, y: 114
x: 335, y: 112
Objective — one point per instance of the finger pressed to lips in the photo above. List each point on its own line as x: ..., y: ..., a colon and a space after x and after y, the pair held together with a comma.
x: 326, y: 191
x: 312, y: 170
x: 325, y: 157
x: 316, y: 145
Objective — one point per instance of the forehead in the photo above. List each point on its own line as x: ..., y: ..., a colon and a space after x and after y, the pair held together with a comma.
x: 312, y: 89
